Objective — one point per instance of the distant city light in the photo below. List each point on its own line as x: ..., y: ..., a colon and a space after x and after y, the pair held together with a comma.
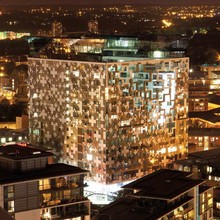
x: 167, y: 23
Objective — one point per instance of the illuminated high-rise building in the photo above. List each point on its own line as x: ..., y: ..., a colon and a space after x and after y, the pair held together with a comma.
x: 93, y: 26
x: 120, y: 120
x: 57, y: 29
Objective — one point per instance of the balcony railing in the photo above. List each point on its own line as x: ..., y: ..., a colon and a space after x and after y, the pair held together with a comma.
x: 62, y: 201
x: 64, y: 212
x: 66, y: 185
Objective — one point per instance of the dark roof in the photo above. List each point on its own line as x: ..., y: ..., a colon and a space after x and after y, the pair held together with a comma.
x: 5, y: 215
x: 217, y: 72
x: 198, y: 75
x: 208, y: 157
x: 129, y: 208
x: 163, y: 184
x: 213, y: 98
x: 204, y: 132
x: 207, y: 154
x: 53, y: 170
x: 11, y: 132
x: 18, y: 152
x: 202, y: 189
x: 211, y: 115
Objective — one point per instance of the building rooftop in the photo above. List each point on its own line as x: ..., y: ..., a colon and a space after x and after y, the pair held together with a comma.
x: 217, y: 72
x: 213, y: 98
x: 5, y: 215
x: 204, y: 132
x: 102, y: 48
x: 19, y: 152
x: 198, y: 75
x: 208, y: 157
x: 11, y: 132
x: 202, y: 189
x: 52, y: 170
x: 212, y: 116
x: 129, y: 208
x: 158, y: 187
x: 163, y: 184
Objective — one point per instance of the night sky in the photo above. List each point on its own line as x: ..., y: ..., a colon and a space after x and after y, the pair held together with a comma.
x: 75, y: 2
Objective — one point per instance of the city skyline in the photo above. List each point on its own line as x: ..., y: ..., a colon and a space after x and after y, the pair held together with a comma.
x: 99, y: 2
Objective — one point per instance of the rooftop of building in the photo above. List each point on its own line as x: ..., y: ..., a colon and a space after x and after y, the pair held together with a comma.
x: 211, y: 132
x: 17, y: 152
x: 11, y: 132
x: 217, y: 72
x: 213, y: 98
x: 100, y: 48
x: 5, y: 215
x: 51, y: 170
x: 163, y: 184
x: 129, y: 208
x: 203, y: 189
x: 21, y: 151
x: 212, y: 116
x: 208, y: 157
x: 198, y: 75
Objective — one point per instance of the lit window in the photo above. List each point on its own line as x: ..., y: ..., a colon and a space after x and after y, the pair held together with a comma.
x: 89, y: 156
x: 209, y: 169
x: 11, y: 206
x: 34, y: 95
x: 157, y: 54
x: 44, y: 184
x: 76, y: 73
x: 200, y: 138
x: 3, y: 140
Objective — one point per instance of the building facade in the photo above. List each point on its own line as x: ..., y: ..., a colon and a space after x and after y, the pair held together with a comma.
x: 93, y: 26
x: 120, y: 120
x: 56, y: 29
x: 30, y: 188
x: 9, y: 136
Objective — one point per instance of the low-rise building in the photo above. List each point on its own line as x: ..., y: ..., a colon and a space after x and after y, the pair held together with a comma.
x: 206, y: 165
x: 31, y: 188
x: 8, y: 136
x: 164, y: 194
x: 203, y: 139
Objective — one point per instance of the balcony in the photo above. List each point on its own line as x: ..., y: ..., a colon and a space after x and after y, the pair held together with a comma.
x: 66, y: 212
x: 63, y: 201
x: 61, y: 183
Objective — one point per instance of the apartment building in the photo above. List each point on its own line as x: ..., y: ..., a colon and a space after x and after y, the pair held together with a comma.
x: 205, y: 165
x: 162, y: 195
x: 32, y: 188
x: 120, y: 120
